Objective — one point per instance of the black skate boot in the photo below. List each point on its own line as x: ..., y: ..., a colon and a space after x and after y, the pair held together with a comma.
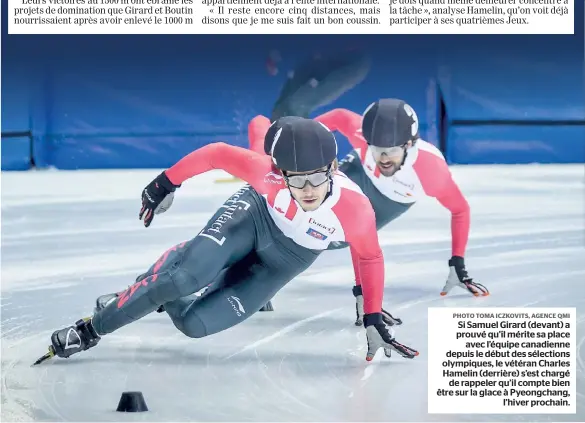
x: 74, y: 339
x: 71, y: 340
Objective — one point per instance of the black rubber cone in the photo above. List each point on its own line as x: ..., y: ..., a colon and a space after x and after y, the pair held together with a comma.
x: 132, y: 402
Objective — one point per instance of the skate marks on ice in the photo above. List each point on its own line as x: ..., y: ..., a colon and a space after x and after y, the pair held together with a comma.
x: 305, y: 361
x: 286, y: 367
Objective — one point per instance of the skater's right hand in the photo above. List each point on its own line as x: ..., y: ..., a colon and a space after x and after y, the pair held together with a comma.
x: 378, y: 337
x: 458, y: 276
x: 157, y: 197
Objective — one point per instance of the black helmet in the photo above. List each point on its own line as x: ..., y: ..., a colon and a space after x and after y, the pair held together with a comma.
x: 269, y: 137
x: 298, y: 144
x: 389, y: 122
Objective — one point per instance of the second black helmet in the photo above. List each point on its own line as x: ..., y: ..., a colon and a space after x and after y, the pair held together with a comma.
x: 389, y: 122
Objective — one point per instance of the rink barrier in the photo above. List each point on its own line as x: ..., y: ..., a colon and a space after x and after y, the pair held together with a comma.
x: 114, y: 131
x: 515, y: 142
x: 122, y: 150
x: 463, y: 142
x: 94, y: 114
x: 16, y: 150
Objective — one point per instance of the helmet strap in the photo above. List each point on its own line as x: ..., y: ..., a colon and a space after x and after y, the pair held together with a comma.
x: 403, y: 158
x: 329, y: 191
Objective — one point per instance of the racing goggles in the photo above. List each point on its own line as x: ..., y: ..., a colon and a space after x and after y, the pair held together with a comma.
x: 397, y: 151
x: 315, y: 179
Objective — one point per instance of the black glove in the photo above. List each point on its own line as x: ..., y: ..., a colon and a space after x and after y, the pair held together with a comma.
x: 153, y: 195
x: 359, y: 309
x: 378, y: 337
x: 458, y: 277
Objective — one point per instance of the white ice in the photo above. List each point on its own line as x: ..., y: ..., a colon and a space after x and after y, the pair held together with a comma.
x: 68, y: 237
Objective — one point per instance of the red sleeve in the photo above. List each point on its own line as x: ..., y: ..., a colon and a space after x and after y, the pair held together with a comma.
x: 257, y: 129
x: 358, y: 220
x: 346, y: 122
x: 355, y: 261
x: 437, y: 181
x: 237, y: 161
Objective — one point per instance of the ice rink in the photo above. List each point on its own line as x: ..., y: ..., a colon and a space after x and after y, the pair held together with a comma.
x: 68, y: 237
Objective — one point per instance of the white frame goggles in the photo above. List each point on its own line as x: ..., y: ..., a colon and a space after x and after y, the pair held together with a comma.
x: 396, y: 151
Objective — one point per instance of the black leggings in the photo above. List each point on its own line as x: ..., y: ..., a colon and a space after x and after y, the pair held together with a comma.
x: 218, y: 279
x: 317, y: 82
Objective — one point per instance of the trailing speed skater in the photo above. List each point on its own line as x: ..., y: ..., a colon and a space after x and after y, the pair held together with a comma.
x: 394, y: 167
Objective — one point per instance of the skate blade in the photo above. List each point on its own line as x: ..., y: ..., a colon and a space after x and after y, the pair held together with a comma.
x: 227, y: 180
x: 478, y: 293
x: 475, y: 294
x: 46, y: 357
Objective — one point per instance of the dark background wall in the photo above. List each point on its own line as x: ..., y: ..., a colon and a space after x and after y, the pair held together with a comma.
x: 75, y: 102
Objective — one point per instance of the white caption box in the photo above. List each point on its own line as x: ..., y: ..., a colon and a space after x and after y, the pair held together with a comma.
x: 289, y: 17
x: 502, y: 361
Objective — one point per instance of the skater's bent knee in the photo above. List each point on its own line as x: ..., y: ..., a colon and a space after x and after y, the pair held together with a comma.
x: 193, y: 332
x: 191, y: 326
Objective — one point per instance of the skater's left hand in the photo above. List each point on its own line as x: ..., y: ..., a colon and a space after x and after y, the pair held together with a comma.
x: 387, y: 317
x: 157, y: 197
x: 458, y: 276
x: 378, y: 337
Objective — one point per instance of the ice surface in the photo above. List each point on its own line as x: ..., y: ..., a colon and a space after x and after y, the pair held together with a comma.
x: 69, y: 236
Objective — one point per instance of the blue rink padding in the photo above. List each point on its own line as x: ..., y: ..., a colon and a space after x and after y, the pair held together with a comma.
x: 516, y: 144
x: 139, y: 151
x: 524, y: 103
x: 131, y: 104
x: 540, y: 79
x: 15, y: 100
x: 137, y: 111
x: 468, y: 97
x: 126, y: 151
x: 16, y: 153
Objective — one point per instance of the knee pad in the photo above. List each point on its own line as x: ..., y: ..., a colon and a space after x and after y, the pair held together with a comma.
x: 184, y: 282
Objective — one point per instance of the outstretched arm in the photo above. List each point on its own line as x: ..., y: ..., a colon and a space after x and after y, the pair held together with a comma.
x: 437, y: 181
x: 237, y: 161
x: 257, y: 129
x: 346, y: 122
x: 367, y: 257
